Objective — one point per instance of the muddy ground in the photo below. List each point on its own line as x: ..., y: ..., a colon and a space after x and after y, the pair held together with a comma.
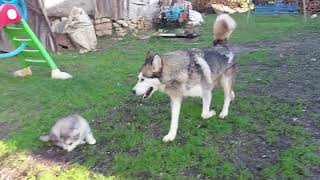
x: 293, y: 75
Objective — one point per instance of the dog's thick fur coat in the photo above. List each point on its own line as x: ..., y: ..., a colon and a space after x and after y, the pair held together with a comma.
x: 191, y: 73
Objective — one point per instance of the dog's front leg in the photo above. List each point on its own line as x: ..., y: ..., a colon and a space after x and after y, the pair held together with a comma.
x: 175, y: 112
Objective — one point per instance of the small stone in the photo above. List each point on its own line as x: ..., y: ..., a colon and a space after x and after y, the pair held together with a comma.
x: 264, y: 156
x: 313, y: 16
x: 294, y: 119
x: 116, y: 25
x: 313, y: 59
x: 144, y: 37
x: 121, y: 34
x: 97, y: 21
x: 104, y: 26
x: 104, y: 32
x: 123, y: 23
x: 105, y: 20
x: 134, y: 21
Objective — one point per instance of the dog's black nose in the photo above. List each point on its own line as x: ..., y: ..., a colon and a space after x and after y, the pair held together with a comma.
x: 133, y: 91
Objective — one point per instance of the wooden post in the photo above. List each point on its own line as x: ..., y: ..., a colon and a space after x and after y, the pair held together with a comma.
x: 305, y: 11
x: 249, y: 11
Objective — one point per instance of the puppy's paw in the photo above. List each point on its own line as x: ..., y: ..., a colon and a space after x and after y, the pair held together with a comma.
x: 70, y: 148
x: 207, y: 115
x: 169, y: 137
x: 223, y: 114
x: 92, y: 141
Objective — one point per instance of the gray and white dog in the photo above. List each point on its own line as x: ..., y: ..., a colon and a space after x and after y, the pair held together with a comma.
x: 69, y: 132
x: 192, y: 73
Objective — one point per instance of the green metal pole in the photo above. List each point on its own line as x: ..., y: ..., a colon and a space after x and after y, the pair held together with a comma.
x: 37, y: 42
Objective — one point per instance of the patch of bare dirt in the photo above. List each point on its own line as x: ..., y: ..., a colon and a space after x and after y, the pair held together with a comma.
x: 292, y: 75
x: 5, y: 128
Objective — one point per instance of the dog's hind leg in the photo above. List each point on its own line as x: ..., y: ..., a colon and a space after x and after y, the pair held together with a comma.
x: 175, y: 112
x: 226, y: 83
x: 206, y: 102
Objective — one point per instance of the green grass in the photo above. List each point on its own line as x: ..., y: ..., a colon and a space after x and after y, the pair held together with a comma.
x: 129, y: 131
x: 259, y: 57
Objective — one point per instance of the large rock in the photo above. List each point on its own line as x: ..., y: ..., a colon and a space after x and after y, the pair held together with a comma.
x: 62, y: 8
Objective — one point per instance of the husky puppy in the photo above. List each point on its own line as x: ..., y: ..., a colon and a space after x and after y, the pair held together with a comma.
x: 192, y: 73
x: 69, y: 132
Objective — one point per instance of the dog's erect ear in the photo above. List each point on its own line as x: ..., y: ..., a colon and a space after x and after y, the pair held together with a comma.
x: 156, y: 63
x: 149, y: 55
x: 45, y: 138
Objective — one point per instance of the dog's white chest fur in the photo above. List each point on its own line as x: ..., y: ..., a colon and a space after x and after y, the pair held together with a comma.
x: 195, y: 91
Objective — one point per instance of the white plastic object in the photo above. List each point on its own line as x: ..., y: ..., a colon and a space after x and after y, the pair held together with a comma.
x: 12, y: 14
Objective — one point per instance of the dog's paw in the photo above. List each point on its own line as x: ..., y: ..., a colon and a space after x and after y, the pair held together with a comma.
x: 169, y: 137
x: 207, y: 115
x: 223, y: 114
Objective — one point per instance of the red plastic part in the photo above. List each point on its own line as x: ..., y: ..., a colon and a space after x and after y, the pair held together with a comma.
x: 4, y: 19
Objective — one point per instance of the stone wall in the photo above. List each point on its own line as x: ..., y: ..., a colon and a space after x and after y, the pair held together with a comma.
x: 107, y: 27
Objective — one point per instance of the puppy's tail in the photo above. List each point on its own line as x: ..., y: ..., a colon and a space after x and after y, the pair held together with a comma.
x: 223, y: 28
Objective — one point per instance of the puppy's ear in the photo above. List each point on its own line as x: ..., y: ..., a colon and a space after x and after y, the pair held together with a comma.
x: 156, y: 63
x: 149, y: 55
x: 53, y: 137
x: 45, y: 138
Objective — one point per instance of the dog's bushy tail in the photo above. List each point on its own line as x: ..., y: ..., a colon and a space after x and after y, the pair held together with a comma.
x: 223, y: 28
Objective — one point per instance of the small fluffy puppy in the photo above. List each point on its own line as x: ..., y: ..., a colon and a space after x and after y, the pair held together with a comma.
x: 69, y: 132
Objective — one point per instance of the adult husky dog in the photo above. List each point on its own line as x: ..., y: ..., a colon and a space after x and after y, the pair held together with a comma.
x: 192, y: 73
